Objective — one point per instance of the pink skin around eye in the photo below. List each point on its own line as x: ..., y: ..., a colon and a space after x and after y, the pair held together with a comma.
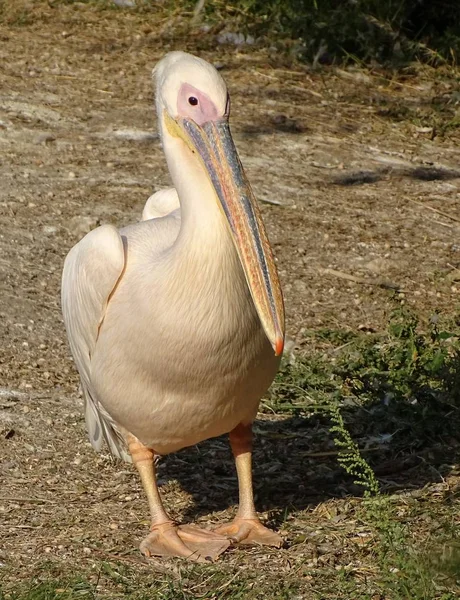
x: 202, y: 112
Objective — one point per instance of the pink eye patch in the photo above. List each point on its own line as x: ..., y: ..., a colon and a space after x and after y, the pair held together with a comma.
x: 196, y: 105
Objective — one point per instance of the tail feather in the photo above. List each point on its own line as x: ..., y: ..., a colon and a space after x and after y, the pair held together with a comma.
x: 101, y: 428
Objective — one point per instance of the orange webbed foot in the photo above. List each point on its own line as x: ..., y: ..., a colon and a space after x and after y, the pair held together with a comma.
x: 250, y: 531
x: 187, y: 541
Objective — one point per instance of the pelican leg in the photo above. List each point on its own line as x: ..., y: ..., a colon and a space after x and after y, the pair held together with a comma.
x: 246, y: 527
x: 165, y: 537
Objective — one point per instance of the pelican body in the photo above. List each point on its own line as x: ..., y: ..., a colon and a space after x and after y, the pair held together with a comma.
x: 176, y: 323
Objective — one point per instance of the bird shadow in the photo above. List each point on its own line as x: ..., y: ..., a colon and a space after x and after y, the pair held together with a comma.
x: 295, y: 462
x: 207, y: 471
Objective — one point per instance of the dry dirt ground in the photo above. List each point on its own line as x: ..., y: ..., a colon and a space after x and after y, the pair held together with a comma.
x: 358, y: 174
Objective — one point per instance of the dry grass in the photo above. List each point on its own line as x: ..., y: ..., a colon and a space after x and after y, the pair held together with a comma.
x: 71, y: 520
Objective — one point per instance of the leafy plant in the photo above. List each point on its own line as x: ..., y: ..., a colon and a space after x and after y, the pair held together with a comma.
x: 395, y: 31
x: 349, y: 456
x: 403, y: 385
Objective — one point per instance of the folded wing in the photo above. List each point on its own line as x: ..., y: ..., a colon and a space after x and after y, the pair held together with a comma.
x: 91, y: 272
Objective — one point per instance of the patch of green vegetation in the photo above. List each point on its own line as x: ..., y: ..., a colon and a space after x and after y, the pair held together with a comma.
x: 51, y: 590
x: 401, y: 389
x: 213, y: 582
x: 410, y: 570
x: 405, y: 383
x: 362, y: 30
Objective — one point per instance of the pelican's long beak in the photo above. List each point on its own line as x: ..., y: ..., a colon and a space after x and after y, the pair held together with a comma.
x: 214, y: 144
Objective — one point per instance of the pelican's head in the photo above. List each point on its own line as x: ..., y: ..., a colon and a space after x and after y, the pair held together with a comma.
x: 189, y: 87
x: 193, y: 105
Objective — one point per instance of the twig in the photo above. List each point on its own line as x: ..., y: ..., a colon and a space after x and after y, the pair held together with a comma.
x: 26, y: 500
x: 342, y: 346
x: 269, y: 201
x: 222, y: 587
x: 327, y: 453
x: 272, y: 77
x: 436, y: 210
x: 294, y: 87
x: 198, y: 8
x: 449, y: 225
x: 304, y: 90
x: 453, y: 268
x: 320, y: 166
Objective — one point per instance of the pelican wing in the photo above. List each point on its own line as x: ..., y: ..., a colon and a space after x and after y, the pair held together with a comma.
x: 91, y: 271
x: 161, y: 204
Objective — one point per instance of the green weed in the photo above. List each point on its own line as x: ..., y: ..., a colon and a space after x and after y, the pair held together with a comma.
x: 403, y: 387
x: 394, y: 31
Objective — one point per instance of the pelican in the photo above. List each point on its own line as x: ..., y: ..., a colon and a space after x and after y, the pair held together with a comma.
x: 176, y: 322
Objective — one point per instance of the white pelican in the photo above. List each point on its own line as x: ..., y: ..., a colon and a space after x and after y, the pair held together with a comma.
x: 176, y: 323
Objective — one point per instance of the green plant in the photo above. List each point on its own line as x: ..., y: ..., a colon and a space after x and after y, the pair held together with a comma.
x: 349, y: 456
x: 402, y: 387
x: 394, y: 31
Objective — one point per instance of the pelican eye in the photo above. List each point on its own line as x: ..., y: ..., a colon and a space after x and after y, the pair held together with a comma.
x: 193, y: 101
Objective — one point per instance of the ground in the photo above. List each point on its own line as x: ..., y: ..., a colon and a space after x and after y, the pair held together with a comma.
x: 357, y: 174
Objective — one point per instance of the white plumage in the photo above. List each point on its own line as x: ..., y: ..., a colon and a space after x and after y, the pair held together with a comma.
x: 173, y: 321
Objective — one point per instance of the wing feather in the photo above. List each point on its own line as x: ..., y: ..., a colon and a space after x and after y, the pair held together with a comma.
x: 162, y: 203
x: 91, y: 272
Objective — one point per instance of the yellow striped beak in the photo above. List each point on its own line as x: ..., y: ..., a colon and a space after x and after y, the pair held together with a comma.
x: 214, y: 144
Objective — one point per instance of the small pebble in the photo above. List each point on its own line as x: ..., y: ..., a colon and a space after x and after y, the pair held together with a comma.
x: 134, y: 135
x: 125, y: 3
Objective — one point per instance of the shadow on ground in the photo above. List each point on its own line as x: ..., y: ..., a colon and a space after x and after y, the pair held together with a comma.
x: 296, y: 468
x: 406, y: 425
